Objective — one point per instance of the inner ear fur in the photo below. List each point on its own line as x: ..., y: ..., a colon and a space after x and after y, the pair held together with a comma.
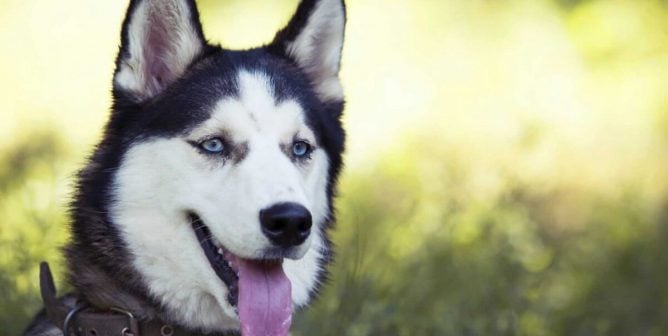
x: 313, y: 39
x: 159, y: 41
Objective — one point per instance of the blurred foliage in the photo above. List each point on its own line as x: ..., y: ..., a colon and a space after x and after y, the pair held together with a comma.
x: 506, y: 170
x: 33, y: 222
x: 421, y: 254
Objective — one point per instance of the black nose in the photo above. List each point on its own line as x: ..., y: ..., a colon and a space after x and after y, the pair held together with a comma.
x: 286, y: 224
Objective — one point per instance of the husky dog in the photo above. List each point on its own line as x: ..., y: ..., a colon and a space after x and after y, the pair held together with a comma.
x: 205, y: 207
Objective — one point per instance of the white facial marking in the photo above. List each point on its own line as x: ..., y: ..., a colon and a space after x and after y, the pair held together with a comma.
x: 266, y: 176
x: 152, y: 189
x: 160, y: 180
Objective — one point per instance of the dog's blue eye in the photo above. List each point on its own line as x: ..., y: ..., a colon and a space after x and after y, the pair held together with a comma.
x: 214, y: 145
x: 300, y: 148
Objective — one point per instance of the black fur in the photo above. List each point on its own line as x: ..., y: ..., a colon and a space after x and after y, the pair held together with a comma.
x: 99, y: 267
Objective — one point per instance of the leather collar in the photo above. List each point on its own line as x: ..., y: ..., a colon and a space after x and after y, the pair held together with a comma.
x: 83, y: 320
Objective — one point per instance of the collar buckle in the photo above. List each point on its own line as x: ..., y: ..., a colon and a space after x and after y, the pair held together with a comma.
x: 70, y: 317
x: 133, y: 325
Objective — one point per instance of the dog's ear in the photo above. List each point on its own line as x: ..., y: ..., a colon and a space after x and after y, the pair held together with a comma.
x: 159, y: 40
x: 313, y: 39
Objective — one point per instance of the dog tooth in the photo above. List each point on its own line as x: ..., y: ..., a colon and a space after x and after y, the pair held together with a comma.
x: 220, y: 251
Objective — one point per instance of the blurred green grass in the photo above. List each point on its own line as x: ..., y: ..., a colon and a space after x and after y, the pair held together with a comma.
x: 506, y: 171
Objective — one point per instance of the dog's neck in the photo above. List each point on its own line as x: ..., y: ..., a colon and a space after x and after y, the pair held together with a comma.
x: 99, y: 272
x: 101, y: 290
x: 72, y: 312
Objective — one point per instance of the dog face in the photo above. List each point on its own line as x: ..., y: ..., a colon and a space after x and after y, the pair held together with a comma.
x: 221, y: 164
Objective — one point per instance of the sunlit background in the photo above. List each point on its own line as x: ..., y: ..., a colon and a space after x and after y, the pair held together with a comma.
x: 506, y: 171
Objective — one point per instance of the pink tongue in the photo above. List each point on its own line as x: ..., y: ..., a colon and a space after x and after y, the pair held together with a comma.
x: 265, y: 299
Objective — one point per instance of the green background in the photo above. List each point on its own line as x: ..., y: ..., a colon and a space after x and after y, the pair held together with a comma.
x: 506, y: 172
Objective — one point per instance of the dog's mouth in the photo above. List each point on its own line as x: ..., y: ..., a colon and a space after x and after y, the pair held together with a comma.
x: 259, y: 289
x: 221, y: 260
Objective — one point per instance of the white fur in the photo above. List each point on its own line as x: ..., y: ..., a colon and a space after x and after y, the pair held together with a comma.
x: 184, y: 46
x: 317, y: 48
x: 160, y: 180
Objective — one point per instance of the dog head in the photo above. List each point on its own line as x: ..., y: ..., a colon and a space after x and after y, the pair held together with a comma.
x: 217, y: 169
